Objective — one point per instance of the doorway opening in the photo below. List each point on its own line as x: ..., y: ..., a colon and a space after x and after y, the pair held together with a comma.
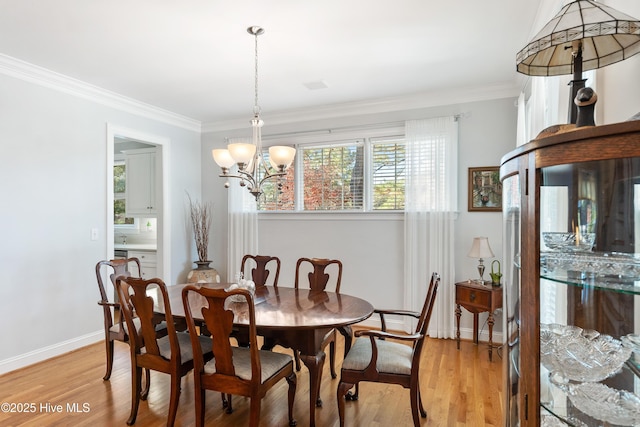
x: 138, y: 218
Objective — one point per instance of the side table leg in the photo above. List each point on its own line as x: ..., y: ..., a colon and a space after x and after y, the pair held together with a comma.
x: 458, y: 314
x: 490, y: 323
x: 475, y: 328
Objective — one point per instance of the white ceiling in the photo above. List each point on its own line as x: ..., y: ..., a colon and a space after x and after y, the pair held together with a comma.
x: 195, y: 58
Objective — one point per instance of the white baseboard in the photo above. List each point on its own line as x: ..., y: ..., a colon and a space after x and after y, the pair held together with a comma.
x: 483, y: 335
x: 48, y: 352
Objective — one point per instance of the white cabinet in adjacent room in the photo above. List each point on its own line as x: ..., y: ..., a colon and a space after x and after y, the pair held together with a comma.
x: 148, y: 262
x: 141, y: 196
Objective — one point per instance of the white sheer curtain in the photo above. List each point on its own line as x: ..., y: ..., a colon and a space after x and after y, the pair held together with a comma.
x: 431, y: 196
x: 243, y: 227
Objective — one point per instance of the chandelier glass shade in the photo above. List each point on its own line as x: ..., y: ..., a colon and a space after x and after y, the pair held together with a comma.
x: 252, y: 169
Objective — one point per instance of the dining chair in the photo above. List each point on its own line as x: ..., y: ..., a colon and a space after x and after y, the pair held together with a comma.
x: 242, y: 371
x: 319, y: 271
x: 263, y: 266
x: 171, y: 354
x: 374, y: 358
x: 115, y: 328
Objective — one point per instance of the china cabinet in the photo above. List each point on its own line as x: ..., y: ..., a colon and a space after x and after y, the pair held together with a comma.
x: 571, y: 237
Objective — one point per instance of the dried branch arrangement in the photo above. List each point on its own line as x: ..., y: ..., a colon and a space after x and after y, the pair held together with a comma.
x: 201, y: 221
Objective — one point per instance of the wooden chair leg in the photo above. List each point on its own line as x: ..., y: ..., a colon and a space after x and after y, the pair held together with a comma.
x: 136, y: 380
x: 254, y: 415
x: 341, y: 393
x: 292, y: 380
x: 415, y: 398
x: 174, y: 400
x: 332, y: 358
x: 353, y: 396
x: 200, y: 400
x: 109, y: 351
x: 227, y: 403
x: 147, y: 384
x: 347, y: 333
x: 423, y: 413
x: 296, y: 355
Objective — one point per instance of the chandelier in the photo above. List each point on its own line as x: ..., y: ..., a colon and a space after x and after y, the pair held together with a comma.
x: 252, y: 169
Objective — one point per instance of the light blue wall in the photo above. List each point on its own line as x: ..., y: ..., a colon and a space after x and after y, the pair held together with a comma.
x: 53, y: 192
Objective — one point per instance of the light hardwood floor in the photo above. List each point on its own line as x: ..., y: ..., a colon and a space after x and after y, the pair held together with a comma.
x: 459, y: 388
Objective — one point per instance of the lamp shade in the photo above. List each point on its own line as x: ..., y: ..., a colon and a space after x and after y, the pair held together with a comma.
x: 480, y: 248
x: 607, y: 36
x: 222, y: 158
x: 281, y: 156
x: 242, y: 152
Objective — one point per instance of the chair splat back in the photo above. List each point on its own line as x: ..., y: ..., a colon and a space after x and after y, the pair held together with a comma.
x: 318, y: 277
x: 221, y: 329
x: 264, y: 266
x: 138, y: 302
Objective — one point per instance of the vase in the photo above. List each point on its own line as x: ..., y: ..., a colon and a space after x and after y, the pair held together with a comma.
x: 203, y: 273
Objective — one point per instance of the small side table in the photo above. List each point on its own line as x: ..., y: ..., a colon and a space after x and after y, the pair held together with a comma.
x: 477, y: 298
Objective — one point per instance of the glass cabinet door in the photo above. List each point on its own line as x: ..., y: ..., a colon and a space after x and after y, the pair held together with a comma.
x: 589, y: 220
x: 511, y: 294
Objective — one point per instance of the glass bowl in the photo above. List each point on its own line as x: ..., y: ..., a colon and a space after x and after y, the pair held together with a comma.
x: 606, y: 404
x: 570, y: 242
x: 580, y: 355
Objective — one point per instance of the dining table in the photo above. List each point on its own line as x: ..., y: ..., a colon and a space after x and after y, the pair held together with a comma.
x: 295, y: 318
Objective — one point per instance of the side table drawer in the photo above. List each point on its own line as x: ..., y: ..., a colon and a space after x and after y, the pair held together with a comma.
x: 473, y: 297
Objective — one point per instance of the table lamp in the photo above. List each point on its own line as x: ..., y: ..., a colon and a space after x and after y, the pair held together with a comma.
x: 583, y: 36
x: 480, y: 249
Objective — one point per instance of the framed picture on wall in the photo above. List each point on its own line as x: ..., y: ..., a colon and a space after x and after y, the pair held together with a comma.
x: 485, y: 189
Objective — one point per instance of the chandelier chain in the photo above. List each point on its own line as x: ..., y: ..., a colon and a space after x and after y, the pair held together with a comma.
x: 256, y: 107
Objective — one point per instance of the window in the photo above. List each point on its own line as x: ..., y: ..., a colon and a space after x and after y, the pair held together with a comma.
x: 332, y: 177
x: 363, y: 174
x: 119, y: 188
x: 388, y: 173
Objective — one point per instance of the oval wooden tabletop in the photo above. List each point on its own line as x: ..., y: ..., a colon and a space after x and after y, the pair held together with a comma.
x: 278, y: 307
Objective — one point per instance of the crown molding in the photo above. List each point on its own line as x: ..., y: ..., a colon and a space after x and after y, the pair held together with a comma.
x: 41, y: 76
x: 373, y: 106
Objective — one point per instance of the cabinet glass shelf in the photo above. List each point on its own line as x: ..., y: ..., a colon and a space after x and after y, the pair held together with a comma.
x: 614, y: 284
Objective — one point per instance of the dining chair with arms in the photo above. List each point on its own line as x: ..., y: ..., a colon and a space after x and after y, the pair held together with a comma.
x: 374, y: 358
x: 115, y: 328
x: 242, y: 371
x: 171, y: 354
x: 263, y: 267
x: 319, y: 272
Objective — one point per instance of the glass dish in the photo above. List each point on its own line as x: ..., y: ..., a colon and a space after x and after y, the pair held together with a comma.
x: 592, y: 263
x: 606, y: 404
x: 569, y: 242
x: 580, y: 355
x: 548, y: 420
x: 632, y: 341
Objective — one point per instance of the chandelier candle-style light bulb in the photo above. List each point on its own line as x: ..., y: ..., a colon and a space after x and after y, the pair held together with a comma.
x: 253, y: 170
